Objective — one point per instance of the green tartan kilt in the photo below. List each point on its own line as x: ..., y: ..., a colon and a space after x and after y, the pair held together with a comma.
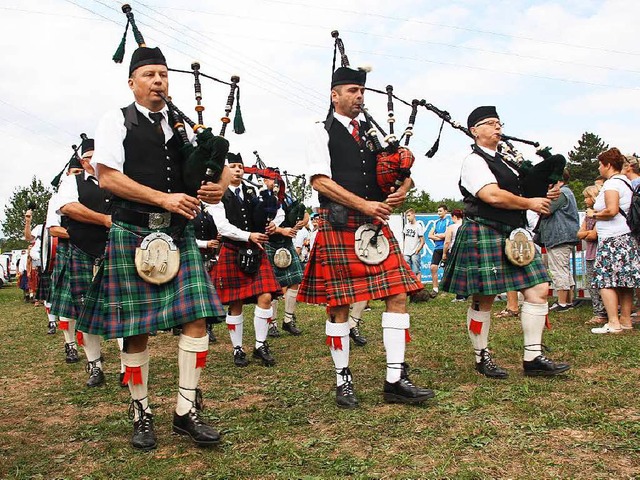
x: 60, y: 295
x: 478, y: 264
x: 121, y: 304
x: 292, y: 275
x: 61, y: 253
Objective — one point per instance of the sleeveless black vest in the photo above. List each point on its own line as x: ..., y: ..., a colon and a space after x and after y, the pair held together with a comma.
x: 204, y: 226
x: 148, y: 160
x: 89, y: 237
x: 239, y: 213
x: 507, y: 180
x: 353, y: 166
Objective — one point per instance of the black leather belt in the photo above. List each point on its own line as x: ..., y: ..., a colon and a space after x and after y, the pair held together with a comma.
x: 151, y: 220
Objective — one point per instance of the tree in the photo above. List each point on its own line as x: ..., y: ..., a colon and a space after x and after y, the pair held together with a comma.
x: 35, y: 194
x: 299, y: 189
x: 421, y: 202
x: 583, y: 163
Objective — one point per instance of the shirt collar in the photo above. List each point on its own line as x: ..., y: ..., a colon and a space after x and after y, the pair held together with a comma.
x: 488, y: 151
x: 145, y: 111
x: 344, y: 120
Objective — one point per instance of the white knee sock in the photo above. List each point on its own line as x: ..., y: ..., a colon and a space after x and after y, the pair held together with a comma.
x: 290, y: 303
x: 91, y: 344
x: 192, y: 357
x: 355, y: 313
x: 235, y: 326
x: 533, y: 316
x: 137, y: 377
x: 338, y: 341
x: 121, y: 348
x: 261, y: 319
x: 274, y: 310
x: 394, y: 336
x: 478, y: 325
x: 68, y: 327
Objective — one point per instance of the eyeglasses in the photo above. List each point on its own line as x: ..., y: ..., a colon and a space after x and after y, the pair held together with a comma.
x: 491, y: 123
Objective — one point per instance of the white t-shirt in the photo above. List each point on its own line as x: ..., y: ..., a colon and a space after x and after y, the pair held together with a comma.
x: 412, y: 233
x: 617, y: 225
x: 475, y: 173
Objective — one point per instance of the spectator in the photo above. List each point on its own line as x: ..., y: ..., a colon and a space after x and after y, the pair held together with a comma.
x: 413, y: 241
x: 617, y: 264
x: 437, y: 237
x: 631, y: 170
x: 589, y: 234
x: 558, y: 233
x: 450, y: 238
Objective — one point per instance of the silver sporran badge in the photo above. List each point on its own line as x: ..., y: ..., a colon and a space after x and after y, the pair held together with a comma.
x: 519, y: 247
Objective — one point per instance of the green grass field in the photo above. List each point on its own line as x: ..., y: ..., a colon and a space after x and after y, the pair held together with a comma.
x: 282, y: 422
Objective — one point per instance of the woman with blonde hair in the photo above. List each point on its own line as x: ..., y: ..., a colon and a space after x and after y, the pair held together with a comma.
x: 589, y: 234
x: 617, y: 264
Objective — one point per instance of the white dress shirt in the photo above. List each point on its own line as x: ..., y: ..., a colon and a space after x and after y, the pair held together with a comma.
x: 476, y: 174
x: 68, y: 190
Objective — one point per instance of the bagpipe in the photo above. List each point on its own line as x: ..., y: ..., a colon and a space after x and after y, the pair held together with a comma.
x: 205, y: 161
x: 393, y: 161
x: 534, y: 178
x: 74, y: 161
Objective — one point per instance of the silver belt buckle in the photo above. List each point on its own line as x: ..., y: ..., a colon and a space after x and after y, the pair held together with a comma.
x: 159, y: 220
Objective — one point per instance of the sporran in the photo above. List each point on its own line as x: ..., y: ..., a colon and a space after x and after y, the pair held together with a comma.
x: 282, y: 258
x: 371, y: 246
x: 519, y: 247
x: 157, y: 258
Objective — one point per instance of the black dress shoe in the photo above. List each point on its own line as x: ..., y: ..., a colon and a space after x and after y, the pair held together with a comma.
x: 96, y: 375
x: 144, y: 435
x: 190, y: 424
x: 212, y: 336
x: 403, y: 391
x: 263, y: 353
x: 487, y: 367
x: 542, y: 366
x: 176, y: 331
x: 291, y: 327
x: 239, y: 357
x: 52, y: 328
x: 273, y: 330
x: 345, y: 395
x: 71, y: 353
x: 357, y: 337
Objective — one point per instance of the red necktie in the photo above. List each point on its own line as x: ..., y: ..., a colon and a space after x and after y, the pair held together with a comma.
x: 355, y: 133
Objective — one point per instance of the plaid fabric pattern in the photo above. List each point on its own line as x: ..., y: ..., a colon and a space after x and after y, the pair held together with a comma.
x: 233, y: 284
x: 478, y: 264
x: 292, y: 275
x: 80, y: 266
x: 44, y: 285
x: 61, y: 253
x: 121, y: 304
x: 60, y: 298
x: 334, y: 275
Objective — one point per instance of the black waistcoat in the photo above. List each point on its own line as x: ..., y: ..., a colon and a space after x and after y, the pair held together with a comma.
x: 204, y: 226
x: 353, y: 166
x: 89, y: 237
x: 239, y: 213
x: 507, y: 180
x: 148, y: 160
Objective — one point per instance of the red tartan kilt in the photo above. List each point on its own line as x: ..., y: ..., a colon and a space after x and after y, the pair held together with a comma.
x: 335, y: 275
x: 33, y: 280
x: 233, y: 284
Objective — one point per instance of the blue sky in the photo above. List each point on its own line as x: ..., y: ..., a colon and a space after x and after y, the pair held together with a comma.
x: 553, y: 69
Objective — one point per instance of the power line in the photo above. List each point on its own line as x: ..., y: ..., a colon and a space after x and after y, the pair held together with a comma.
x: 453, y: 27
x: 392, y: 37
